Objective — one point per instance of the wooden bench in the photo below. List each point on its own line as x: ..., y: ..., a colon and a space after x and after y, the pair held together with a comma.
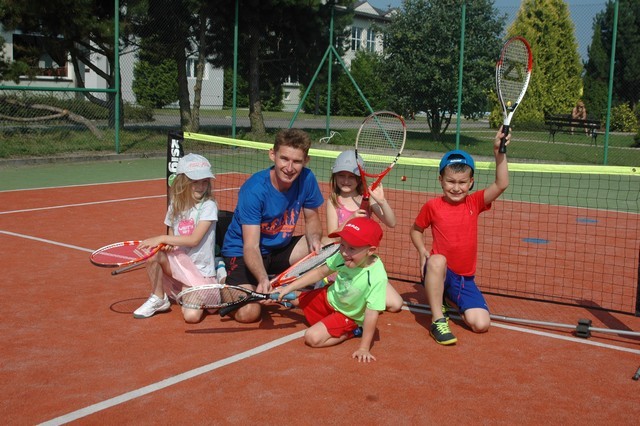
x: 563, y: 123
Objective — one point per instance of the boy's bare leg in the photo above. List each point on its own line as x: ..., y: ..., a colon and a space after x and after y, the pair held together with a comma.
x: 434, y: 284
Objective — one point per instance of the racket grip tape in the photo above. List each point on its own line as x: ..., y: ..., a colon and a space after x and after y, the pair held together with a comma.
x: 503, y: 141
x: 288, y: 296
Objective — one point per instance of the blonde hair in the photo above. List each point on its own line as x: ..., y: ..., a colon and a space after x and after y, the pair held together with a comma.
x: 181, y: 198
x: 335, y: 191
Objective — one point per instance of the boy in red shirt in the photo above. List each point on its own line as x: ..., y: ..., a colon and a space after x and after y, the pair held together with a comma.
x: 449, y: 268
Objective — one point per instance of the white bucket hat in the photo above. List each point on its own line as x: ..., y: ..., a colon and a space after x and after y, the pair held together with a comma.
x: 195, y: 166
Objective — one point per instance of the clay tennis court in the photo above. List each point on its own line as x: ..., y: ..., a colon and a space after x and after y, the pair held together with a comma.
x: 73, y: 352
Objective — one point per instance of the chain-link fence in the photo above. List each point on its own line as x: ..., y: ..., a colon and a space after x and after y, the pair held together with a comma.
x: 177, y: 67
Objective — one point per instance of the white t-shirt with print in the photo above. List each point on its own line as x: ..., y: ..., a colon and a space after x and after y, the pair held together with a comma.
x: 203, y: 254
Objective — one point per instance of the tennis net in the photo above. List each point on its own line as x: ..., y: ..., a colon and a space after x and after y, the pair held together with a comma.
x: 560, y: 233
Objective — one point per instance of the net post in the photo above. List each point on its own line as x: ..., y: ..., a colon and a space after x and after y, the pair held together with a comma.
x: 175, y: 151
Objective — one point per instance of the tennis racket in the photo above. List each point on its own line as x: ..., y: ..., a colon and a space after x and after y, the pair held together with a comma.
x: 302, y: 266
x: 216, y: 296
x: 122, y: 254
x: 379, y: 142
x: 513, y: 72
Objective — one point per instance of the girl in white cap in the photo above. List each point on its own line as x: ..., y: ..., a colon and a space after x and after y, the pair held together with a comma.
x: 188, y: 256
x: 344, y: 204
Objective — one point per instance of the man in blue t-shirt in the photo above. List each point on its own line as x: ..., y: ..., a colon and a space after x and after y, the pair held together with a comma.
x: 259, y: 240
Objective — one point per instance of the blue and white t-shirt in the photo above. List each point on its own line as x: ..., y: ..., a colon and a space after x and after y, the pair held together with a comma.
x: 277, y: 213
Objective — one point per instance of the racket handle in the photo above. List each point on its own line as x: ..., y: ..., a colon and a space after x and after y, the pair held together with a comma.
x: 223, y: 312
x: 288, y: 296
x: 128, y: 268
x: 503, y: 141
x: 364, y: 205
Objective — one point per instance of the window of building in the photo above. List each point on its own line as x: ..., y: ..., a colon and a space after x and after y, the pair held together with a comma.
x: 371, y: 40
x: 356, y: 38
x: 45, y: 56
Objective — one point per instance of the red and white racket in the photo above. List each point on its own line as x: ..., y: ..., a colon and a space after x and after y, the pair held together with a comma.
x: 513, y: 72
x: 121, y: 254
x: 379, y: 142
x: 304, y: 265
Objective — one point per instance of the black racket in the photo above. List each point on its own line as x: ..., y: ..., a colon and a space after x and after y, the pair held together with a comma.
x: 216, y: 296
x: 304, y: 265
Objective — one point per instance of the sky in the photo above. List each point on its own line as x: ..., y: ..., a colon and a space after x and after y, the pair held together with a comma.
x: 582, y: 15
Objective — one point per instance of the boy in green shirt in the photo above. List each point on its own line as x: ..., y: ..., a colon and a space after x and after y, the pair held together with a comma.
x: 351, y: 305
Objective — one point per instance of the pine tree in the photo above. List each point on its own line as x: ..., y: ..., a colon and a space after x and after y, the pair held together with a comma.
x: 556, y: 83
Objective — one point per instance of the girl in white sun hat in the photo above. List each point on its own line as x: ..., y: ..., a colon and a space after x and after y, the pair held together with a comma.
x: 188, y: 256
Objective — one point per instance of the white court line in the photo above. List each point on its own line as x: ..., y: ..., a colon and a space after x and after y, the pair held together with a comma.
x: 42, y: 240
x: 120, y: 200
x: 64, y: 206
x: 79, y: 185
x: 128, y: 396
x: 540, y: 333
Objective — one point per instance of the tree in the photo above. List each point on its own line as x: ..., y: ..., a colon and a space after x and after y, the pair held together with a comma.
x: 596, y: 75
x: 11, y: 70
x: 178, y: 30
x: 290, y: 36
x: 626, y: 79
x: 365, y: 70
x: 422, y: 57
x: 556, y: 83
x: 79, y: 28
x: 155, y: 85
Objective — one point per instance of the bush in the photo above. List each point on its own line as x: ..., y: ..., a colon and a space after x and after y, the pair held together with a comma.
x: 155, y: 85
x: 623, y: 119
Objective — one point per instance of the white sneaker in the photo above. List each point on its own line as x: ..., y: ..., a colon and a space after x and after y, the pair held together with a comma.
x: 151, y: 306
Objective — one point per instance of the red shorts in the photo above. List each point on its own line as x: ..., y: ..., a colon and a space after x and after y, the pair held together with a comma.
x: 316, y: 309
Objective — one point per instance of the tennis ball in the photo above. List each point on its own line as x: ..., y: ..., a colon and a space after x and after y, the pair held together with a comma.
x: 403, y: 178
x: 508, y: 103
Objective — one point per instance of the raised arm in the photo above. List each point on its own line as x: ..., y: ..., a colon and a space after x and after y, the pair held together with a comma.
x: 502, y: 171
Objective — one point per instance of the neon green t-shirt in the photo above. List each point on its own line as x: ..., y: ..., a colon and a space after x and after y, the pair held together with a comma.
x: 357, y: 289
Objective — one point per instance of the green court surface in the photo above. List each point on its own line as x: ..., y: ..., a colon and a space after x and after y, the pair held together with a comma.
x: 14, y: 177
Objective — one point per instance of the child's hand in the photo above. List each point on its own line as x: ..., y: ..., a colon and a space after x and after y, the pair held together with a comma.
x: 496, y: 141
x: 282, y: 291
x: 358, y: 213
x: 150, y: 243
x: 363, y: 355
x: 378, y: 194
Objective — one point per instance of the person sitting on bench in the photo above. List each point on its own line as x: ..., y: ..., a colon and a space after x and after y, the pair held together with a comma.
x: 580, y: 113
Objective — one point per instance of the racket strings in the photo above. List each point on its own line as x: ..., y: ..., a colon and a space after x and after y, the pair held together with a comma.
x: 200, y: 298
x: 380, y: 140
x: 513, y: 71
x: 312, y: 262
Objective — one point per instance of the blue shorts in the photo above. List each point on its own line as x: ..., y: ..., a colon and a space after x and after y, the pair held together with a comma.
x: 462, y: 291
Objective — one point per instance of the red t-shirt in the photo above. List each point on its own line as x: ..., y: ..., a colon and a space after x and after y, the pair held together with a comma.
x: 454, y: 228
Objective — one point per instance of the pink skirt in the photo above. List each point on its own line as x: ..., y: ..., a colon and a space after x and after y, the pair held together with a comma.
x: 184, y: 273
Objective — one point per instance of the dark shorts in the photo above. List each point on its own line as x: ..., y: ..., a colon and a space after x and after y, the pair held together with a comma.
x: 462, y: 291
x: 274, y: 263
x: 317, y: 309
